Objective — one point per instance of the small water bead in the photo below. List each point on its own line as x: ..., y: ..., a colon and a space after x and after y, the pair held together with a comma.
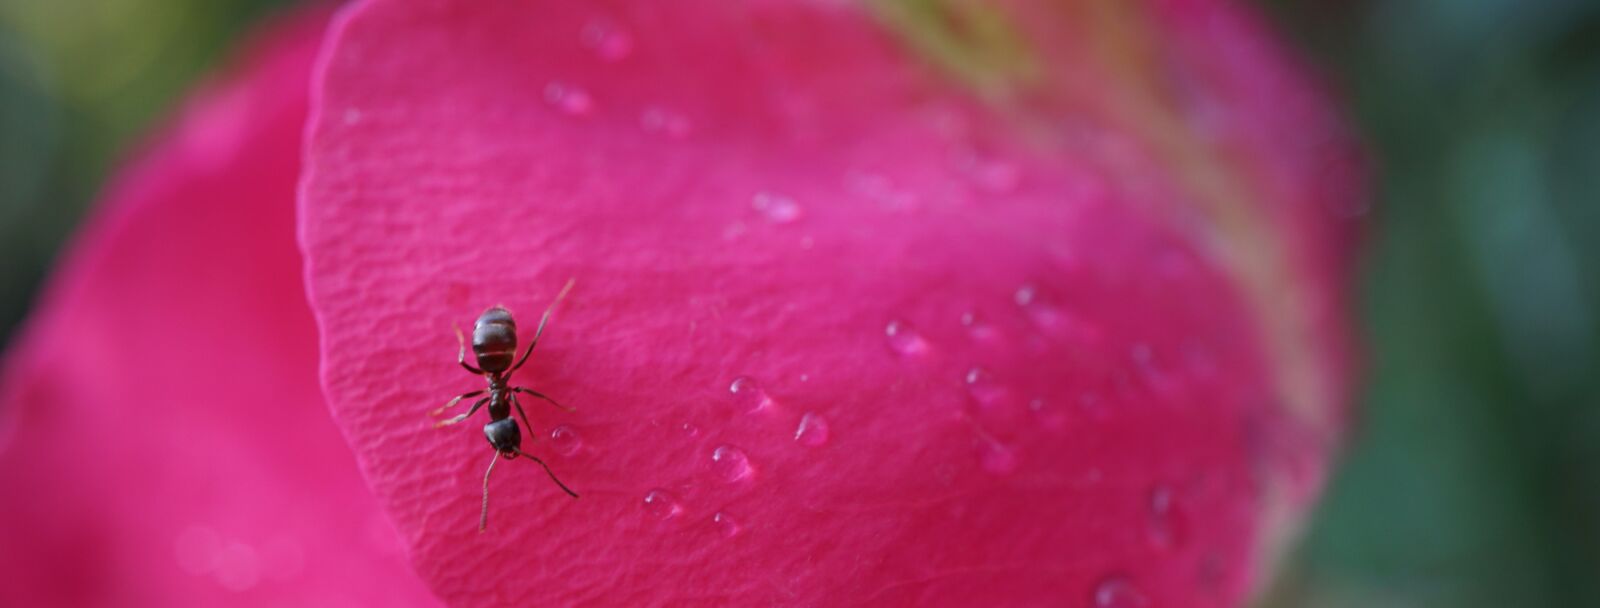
x: 1117, y: 592
x: 997, y: 458
x: 1166, y: 527
x: 777, y: 208
x: 607, y: 40
x: 1049, y: 416
x: 904, y: 340
x: 726, y: 525
x: 978, y: 329
x: 1044, y: 314
x: 657, y: 119
x: 813, y: 430
x: 568, y: 98
x: 661, y: 505
x: 565, y: 440
x: 730, y: 464
x: 689, y: 429
x: 748, y: 394
x: 985, y: 390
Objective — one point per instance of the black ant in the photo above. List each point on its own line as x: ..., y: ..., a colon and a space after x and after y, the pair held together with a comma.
x: 494, y: 343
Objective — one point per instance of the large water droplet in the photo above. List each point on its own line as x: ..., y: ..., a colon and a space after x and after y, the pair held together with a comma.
x: 568, y: 98
x: 1117, y: 592
x: 904, y: 339
x: 997, y: 458
x: 565, y: 440
x: 730, y: 464
x: 726, y: 525
x: 661, y: 505
x: 749, y: 395
x: 987, y: 392
x: 777, y: 208
x: 607, y: 40
x: 657, y: 119
x: 813, y: 430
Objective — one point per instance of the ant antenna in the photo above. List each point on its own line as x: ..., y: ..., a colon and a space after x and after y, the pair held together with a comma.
x: 483, y: 518
x: 546, y: 470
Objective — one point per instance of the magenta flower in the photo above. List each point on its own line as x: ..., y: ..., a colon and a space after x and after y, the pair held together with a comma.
x: 1013, y: 304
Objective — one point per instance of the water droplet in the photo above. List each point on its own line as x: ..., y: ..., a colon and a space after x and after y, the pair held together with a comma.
x: 748, y: 394
x: 238, y: 568
x: 777, y: 208
x: 1044, y: 314
x: 689, y: 429
x: 730, y: 464
x: 996, y: 457
x: 568, y: 98
x: 985, y: 390
x: 813, y: 430
x: 565, y: 440
x: 1049, y: 416
x: 880, y: 190
x: 1166, y: 528
x: 726, y: 526
x: 657, y: 119
x: 196, y: 548
x: 977, y: 328
x: 1117, y: 592
x: 607, y: 40
x: 904, y: 340
x: 661, y: 505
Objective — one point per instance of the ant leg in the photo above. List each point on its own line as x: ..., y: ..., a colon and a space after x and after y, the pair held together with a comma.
x: 540, y: 330
x: 453, y: 402
x: 470, y: 412
x: 462, y: 356
x: 547, y: 470
x: 532, y: 436
x: 540, y: 395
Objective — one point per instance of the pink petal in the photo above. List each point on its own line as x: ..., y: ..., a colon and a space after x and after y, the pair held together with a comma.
x: 165, y: 443
x: 843, y: 332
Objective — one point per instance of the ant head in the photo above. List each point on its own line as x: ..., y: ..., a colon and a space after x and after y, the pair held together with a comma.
x: 494, y: 339
x: 503, y: 435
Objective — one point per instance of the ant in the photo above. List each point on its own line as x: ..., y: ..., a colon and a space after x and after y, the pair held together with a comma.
x: 494, y: 343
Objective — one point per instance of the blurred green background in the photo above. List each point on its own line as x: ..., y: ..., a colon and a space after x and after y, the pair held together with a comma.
x: 1474, y: 477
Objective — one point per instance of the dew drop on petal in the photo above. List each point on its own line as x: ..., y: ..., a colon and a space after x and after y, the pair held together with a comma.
x: 777, y: 208
x: 725, y: 524
x: 977, y: 328
x: 813, y: 430
x: 904, y: 340
x: 997, y: 458
x: 608, y: 41
x: 985, y: 390
x: 661, y: 505
x: 568, y: 98
x: 730, y: 464
x: 1047, y: 414
x: 748, y: 394
x: 658, y: 119
x: 1117, y: 592
x: 1166, y: 527
x: 565, y: 440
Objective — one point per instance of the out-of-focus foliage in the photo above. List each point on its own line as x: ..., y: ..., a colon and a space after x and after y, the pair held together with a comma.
x: 1474, y: 476
x: 79, y: 79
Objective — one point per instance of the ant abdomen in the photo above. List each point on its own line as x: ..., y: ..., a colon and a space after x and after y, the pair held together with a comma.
x: 494, y: 340
x: 503, y: 434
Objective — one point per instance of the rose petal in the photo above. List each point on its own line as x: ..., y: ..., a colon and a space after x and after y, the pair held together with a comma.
x: 844, y: 331
x: 165, y: 440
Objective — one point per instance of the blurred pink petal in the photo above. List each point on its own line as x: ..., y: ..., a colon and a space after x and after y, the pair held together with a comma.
x: 165, y: 442
x: 844, y: 332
